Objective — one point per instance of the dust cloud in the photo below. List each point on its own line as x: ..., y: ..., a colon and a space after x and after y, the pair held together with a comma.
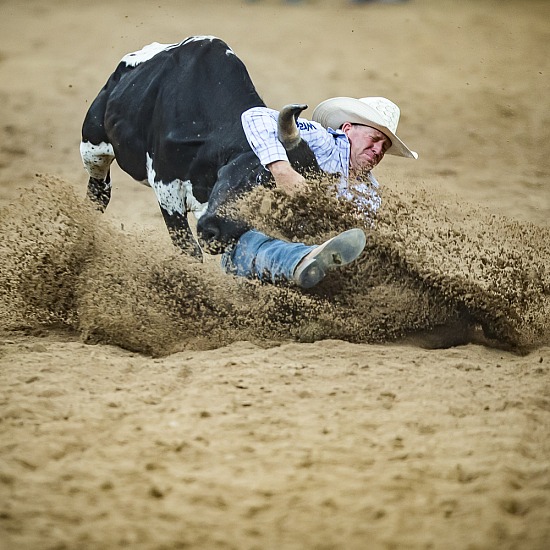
x: 428, y: 264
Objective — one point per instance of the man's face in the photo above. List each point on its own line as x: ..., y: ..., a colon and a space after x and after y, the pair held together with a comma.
x: 368, y: 146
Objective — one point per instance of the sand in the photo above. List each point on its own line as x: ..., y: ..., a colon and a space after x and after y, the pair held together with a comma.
x: 149, y: 401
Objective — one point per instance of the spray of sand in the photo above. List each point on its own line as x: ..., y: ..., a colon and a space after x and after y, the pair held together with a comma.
x: 427, y: 264
x: 447, y: 262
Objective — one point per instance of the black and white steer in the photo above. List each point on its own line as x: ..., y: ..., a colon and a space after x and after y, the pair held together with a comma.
x: 170, y: 114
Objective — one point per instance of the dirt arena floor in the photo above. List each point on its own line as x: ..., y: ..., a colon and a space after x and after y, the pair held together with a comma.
x: 221, y: 414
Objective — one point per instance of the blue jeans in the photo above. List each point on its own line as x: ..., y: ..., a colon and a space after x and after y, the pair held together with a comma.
x: 257, y: 256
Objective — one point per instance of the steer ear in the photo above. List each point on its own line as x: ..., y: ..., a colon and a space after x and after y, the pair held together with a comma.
x: 288, y: 132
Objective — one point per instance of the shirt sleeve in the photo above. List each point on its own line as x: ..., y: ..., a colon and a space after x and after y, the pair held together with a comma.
x: 320, y: 141
x: 260, y: 128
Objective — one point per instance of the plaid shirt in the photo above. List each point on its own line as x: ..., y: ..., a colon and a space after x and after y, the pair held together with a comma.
x: 330, y: 147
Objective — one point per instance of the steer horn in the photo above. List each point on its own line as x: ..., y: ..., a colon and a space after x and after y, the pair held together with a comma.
x: 288, y: 132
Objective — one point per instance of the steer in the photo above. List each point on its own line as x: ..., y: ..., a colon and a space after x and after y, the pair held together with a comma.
x: 170, y: 114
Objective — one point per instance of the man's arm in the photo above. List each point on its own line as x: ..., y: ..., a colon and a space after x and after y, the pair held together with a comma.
x: 260, y: 127
x: 286, y: 178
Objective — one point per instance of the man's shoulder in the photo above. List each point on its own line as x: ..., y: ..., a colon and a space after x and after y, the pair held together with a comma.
x: 261, y: 109
x: 304, y: 125
x: 336, y: 133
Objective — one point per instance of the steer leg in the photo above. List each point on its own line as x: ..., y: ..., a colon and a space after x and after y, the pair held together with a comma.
x: 171, y: 199
x: 97, y: 160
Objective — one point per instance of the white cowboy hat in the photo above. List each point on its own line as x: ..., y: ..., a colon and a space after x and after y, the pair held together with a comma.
x: 376, y: 112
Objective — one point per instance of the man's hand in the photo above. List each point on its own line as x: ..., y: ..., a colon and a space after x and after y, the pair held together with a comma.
x: 286, y: 178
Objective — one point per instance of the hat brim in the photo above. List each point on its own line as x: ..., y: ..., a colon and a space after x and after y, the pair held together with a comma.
x: 333, y: 112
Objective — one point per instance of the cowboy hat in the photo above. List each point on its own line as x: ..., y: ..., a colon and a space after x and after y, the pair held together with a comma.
x: 376, y: 112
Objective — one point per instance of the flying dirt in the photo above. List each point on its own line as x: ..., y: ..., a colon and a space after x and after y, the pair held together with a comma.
x: 428, y: 264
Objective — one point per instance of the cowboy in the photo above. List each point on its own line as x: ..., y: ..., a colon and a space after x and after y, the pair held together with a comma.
x: 349, y: 137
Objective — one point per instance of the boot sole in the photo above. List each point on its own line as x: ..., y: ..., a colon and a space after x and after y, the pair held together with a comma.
x: 337, y: 252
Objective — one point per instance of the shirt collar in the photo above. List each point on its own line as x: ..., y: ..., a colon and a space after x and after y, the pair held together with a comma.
x: 342, y: 144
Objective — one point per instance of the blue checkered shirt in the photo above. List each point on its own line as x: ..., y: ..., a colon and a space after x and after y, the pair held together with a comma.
x: 330, y: 147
